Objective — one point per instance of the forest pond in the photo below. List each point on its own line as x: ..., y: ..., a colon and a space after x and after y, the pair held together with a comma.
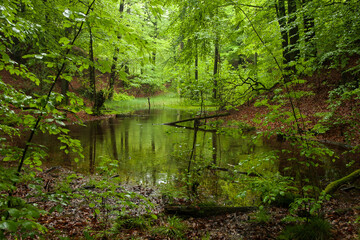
x: 150, y: 153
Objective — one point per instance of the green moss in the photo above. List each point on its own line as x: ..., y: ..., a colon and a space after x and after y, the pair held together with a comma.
x: 333, y: 186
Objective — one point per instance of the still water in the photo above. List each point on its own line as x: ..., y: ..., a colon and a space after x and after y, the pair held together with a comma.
x: 149, y: 152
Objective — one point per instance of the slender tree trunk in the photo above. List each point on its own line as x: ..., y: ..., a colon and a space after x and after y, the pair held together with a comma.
x: 125, y: 65
x: 294, y: 51
x: 113, y: 74
x: 281, y: 16
x: 64, y: 83
x: 196, y: 66
x: 216, y: 67
x: 309, y: 31
x: 92, y: 72
x: 155, y: 37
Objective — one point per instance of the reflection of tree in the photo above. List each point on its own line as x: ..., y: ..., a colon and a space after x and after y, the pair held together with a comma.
x: 96, y: 136
x: 125, y: 140
x: 193, y: 149
x: 214, y: 147
x: 113, y: 139
x: 92, y: 147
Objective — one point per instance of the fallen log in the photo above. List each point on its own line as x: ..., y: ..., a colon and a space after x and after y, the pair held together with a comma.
x: 205, y: 211
x: 192, y: 128
x: 333, y: 186
x: 196, y: 118
x: 215, y: 168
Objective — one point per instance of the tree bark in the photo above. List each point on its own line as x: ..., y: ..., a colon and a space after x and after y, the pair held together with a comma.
x: 281, y: 16
x: 196, y: 65
x: 113, y: 74
x: 92, y: 71
x: 333, y: 186
x: 294, y: 51
x: 205, y: 211
x: 216, y: 67
x: 309, y: 32
x: 197, y: 118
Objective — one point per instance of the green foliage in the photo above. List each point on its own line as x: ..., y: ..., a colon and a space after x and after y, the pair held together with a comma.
x: 173, y: 190
x: 173, y: 228
x: 316, y: 229
x: 107, y: 166
x: 18, y: 218
x: 122, y: 97
x: 151, y: 44
x: 261, y: 216
x: 64, y: 186
x: 132, y: 223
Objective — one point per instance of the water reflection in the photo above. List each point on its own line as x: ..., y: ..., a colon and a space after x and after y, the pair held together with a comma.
x: 148, y: 152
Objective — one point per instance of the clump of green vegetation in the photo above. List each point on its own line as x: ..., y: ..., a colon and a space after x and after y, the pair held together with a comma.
x: 128, y: 222
x: 316, y: 229
x: 261, y: 216
x: 122, y: 97
x: 174, y: 228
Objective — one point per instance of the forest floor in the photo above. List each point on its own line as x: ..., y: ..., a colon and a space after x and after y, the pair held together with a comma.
x: 78, y: 217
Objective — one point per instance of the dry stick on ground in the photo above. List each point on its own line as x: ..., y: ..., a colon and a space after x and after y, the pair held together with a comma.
x: 48, y: 96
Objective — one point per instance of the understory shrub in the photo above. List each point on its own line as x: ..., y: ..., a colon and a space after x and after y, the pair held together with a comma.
x: 315, y: 229
x: 174, y: 228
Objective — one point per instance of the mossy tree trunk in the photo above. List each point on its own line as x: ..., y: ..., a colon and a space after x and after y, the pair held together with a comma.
x: 333, y: 186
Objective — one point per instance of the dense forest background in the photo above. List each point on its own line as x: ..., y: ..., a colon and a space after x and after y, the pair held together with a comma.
x: 292, y: 66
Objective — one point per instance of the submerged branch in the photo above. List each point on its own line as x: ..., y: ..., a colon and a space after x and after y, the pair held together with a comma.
x: 196, y: 118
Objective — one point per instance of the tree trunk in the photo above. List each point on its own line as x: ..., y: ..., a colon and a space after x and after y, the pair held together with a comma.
x: 216, y: 67
x: 113, y: 73
x: 309, y: 32
x: 64, y: 90
x: 155, y: 24
x: 115, y: 58
x: 281, y: 16
x: 92, y: 72
x: 196, y: 65
x: 205, y: 211
x: 294, y: 51
x: 333, y: 186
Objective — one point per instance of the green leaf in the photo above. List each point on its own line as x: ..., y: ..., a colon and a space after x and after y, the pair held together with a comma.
x: 8, y: 225
x: 64, y: 41
x: 14, y: 212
